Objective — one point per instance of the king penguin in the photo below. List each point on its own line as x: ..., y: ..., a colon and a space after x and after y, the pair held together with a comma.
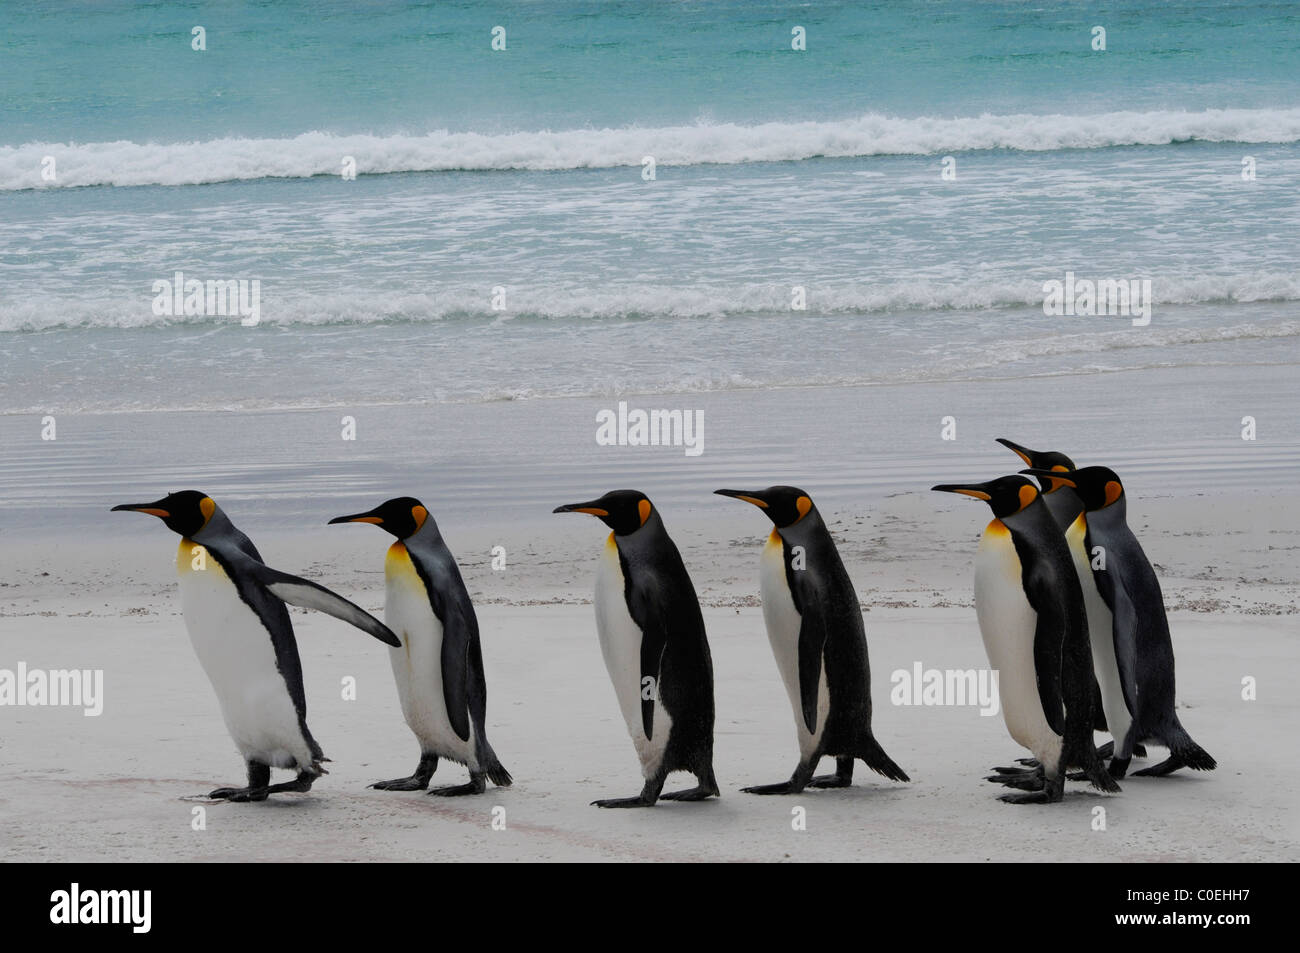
x: 438, y: 666
x: 234, y: 607
x: 814, y: 624
x: 1127, y: 586
x: 1030, y: 609
x: 1066, y: 508
x: 652, y: 638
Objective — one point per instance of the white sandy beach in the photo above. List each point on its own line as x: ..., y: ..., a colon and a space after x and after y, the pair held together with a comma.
x: 110, y: 788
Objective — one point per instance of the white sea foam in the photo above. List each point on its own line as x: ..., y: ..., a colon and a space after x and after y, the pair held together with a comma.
x: 627, y: 301
x: 125, y: 163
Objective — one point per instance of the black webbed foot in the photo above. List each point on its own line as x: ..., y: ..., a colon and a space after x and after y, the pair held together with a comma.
x: 477, y: 785
x: 1161, y: 769
x: 697, y: 793
x: 239, y: 795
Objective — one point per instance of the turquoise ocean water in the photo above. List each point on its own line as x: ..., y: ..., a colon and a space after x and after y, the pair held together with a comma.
x: 500, y: 239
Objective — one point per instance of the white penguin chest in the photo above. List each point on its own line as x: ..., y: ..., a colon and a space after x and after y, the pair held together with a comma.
x: 417, y: 662
x: 1101, y: 636
x: 235, y: 649
x: 1007, y: 625
x: 783, y: 623
x: 620, y: 646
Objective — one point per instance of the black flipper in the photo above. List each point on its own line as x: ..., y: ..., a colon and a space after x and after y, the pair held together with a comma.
x: 1123, y: 629
x: 456, y: 636
x: 1055, y: 635
x: 1048, y: 666
x: 464, y: 688
x: 644, y: 605
x: 309, y: 595
x: 812, y: 636
x: 812, y: 640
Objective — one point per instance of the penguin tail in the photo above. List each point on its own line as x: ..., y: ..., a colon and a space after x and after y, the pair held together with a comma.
x: 1093, y: 769
x: 712, y: 784
x: 1101, y: 779
x: 499, y: 776
x: 874, y: 757
x: 496, y: 771
x: 1188, y: 752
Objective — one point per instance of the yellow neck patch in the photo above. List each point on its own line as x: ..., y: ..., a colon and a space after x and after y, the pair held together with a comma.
x: 194, y: 557
x: 396, y: 557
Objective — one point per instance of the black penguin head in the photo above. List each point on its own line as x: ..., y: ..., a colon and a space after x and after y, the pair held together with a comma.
x: 402, y: 516
x: 185, y: 512
x: 784, y: 505
x: 623, y: 511
x: 1042, y: 460
x: 1098, y: 487
x: 1006, y: 495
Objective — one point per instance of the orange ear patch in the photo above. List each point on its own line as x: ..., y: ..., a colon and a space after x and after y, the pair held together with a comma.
x: 644, y: 509
x: 207, y: 506
x: 1113, y: 491
x: 803, y: 505
x: 419, y: 514
x: 1027, y: 495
